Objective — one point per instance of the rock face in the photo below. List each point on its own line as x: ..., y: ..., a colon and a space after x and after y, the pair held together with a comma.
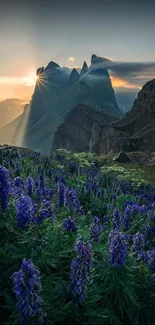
x: 112, y: 140
x: 136, y: 131
x: 73, y: 78
x: 81, y: 130
x: 84, y: 69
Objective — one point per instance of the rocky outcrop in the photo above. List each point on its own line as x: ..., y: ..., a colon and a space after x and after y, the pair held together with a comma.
x: 84, y: 69
x: 112, y: 140
x: 39, y: 71
x: 93, y: 58
x: 122, y: 157
x: 81, y: 130
x: 52, y: 65
x: 74, y: 77
x: 136, y: 131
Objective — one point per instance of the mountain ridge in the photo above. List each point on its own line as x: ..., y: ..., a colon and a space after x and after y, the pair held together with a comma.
x: 47, y: 112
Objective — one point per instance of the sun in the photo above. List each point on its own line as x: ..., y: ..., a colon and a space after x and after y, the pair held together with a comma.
x: 31, y: 80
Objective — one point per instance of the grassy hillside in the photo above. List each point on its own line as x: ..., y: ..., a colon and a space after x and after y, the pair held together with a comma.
x: 77, y: 240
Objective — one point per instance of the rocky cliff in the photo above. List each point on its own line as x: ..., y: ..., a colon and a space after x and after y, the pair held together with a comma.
x: 136, y: 131
x: 81, y: 130
x: 95, y: 131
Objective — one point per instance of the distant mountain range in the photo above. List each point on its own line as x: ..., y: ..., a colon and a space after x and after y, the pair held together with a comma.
x: 125, y: 99
x: 10, y: 109
x: 78, y: 110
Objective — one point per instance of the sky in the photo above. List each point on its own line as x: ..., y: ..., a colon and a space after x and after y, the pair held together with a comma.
x: 32, y: 33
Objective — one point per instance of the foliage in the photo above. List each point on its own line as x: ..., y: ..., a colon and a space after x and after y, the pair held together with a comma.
x: 78, y: 238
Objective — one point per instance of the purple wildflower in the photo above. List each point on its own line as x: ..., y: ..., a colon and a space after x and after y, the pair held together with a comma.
x: 117, y: 249
x: 80, y: 270
x: 4, y: 188
x: 24, y: 207
x: 96, y: 229
x: 149, y: 231
x: 138, y: 242
x: 105, y: 218
x: 41, y: 181
x: 61, y: 190
x: 27, y: 287
x: 18, y: 184
x: 29, y: 185
x: 126, y: 217
x: 46, y: 212
x: 70, y: 225
x: 150, y: 259
x: 116, y: 219
x: 49, y: 173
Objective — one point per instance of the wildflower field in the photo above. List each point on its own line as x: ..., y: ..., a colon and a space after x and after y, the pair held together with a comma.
x: 77, y: 242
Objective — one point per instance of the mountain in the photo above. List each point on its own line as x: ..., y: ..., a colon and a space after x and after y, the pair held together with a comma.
x: 84, y: 69
x: 10, y: 109
x: 12, y: 133
x: 75, y: 133
x: 136, y: 130
x: 74, y: 77
x: 58, y: 91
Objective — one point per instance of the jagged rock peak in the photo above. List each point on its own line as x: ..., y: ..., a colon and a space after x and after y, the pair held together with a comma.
x: 145, y: 101
x: 84, y: 69
x: 40, y: 70
x: 99, y: 59
x: 52, y: 65
x: 94, y: 57
x: 74, y: 77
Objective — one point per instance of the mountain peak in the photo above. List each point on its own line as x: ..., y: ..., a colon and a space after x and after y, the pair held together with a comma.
x: 74, y: 77
x: 40, y: 70
x: 52, y: 65
x: 94, y: 57
x: 84, y: 68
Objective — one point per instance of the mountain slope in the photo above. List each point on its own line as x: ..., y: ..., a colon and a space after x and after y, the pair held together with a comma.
x: 12, y: 133
x: 136, y: 131
x: 75, y: 133
x: 10, y: 109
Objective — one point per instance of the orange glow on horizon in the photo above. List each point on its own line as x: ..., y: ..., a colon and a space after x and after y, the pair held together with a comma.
x: 23, y: 87
x: 122, y: 83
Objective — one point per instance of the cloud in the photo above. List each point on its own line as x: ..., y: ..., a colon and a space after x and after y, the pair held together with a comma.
x: 110, y: 59
x: 126, y: 74
x: 71, y: 59
x: 77, y: 67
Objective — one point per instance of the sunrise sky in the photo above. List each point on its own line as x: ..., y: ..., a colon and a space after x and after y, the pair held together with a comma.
x: 32, y: 33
